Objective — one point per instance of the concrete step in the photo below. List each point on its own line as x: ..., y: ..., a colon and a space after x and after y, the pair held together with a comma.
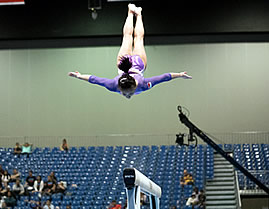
x: 220, y: 197
x: 217, y: 158
x: 223, y: 170
x: 222, y: 183
x: 224, y: 174
x: 221, y: 202
x: 221, y: 207
x: 220, y: 188
x: 217, y: 178
x: 220, y: 192
x: 223, y: 166
x: 221, y: 163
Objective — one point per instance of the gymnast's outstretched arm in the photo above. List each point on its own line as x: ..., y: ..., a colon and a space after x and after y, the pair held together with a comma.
x: 165, y: 77
x: 110, y: 84
x: 79, y: 76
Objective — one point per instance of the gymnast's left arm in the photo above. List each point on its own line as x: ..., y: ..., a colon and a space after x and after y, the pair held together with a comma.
x: 165, y: 77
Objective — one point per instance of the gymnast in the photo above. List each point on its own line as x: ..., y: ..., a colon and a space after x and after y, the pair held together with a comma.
x: 131, y: 62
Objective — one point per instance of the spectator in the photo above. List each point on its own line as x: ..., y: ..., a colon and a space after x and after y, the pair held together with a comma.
x: 173, y: 207
x: 5, y: 189
x: 125, y: 204
x: 48, y: 205
x: 6, y: 177
x: 201, y: 199
x: 1, y: 170
x: 1, y: 188
x: 143, y: 199
x: 114, y: 205
x: 64, y: 146
x: 18, y: 189
x: 17, y: 149
x: 15, y: 175
x: 29, y: 183
x: 26, y: 148
x: 3, y: 205
x: 68, y: 207
x: 61, y: 187
x: 53, y: 177
x: 196, y: 193
x: 38, y: 185
x: 35, y: 204
x: 191, y: 200
x: 50, y: 186
x: 10, y: 200
x: 186, y: 179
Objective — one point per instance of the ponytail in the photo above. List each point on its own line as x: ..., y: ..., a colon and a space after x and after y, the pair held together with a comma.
x: 126, y: 81
x: 125, y: 64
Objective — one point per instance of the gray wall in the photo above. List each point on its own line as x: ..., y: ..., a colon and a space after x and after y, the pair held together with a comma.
x: 228, y: 92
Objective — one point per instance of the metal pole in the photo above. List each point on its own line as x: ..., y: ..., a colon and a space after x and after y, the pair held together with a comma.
x: 183, y: 118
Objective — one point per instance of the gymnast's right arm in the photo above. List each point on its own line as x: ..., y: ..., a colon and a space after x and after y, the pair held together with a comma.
x: 110, y: 84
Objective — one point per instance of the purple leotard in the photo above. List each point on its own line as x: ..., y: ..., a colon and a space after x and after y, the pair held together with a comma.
x: 137, y: 73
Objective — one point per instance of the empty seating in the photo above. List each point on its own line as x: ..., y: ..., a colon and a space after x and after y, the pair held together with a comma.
x: 94, y: 174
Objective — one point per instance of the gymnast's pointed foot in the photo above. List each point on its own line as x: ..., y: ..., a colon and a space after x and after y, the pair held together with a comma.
x: 132, y: 8
x: 138, y: 10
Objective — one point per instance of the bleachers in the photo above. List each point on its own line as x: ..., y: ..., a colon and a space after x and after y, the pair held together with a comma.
x: 255, y: 158
x: 94, y: 174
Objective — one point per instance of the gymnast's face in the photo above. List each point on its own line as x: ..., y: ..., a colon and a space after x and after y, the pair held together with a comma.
x: 128, y: 93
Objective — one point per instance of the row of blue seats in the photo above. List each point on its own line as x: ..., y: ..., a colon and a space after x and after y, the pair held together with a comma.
x: 164, y: 164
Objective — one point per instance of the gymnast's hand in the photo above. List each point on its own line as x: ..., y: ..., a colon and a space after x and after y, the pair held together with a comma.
x: 185, y: 75
x: 75, y: 74
x: 181, y: 75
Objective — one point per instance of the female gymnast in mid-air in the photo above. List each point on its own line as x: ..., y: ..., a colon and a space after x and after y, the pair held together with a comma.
x: 131, y: 62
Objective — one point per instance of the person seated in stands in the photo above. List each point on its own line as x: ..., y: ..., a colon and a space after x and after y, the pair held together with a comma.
x: 6, y: 177
x: 125, y: 204
x: 38, y: 185
x: 53, y: 177
x: 201, y: 199
x: 173, y: 207
x: 18, y: 189
x: 17, y: 149
x: 26, y: 148
x: 196, y: 193
x: 10, y: 200
x: 15, y: 175
x: 5, y: 189
x: 68, y: 207
x: 61, y: 187
x: 143, y: 199
x: 1, y: 170
x: 114, y: 205
x: 191, y: 200
x: 64, y: 146
x: 29, y: 183
x: 48, y: 205
x: 34, y: 204
x: 186, y: 179
x: 3, y: 205
x: 50, y: 186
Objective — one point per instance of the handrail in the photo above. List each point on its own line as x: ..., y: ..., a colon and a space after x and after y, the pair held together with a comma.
x: 237, y: 190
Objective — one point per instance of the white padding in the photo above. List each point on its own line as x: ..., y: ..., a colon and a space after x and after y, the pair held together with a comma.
x: 146, y: 184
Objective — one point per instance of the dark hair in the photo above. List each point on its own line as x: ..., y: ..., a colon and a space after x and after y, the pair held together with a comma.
x: 125, y: 64
x: 126, y: 81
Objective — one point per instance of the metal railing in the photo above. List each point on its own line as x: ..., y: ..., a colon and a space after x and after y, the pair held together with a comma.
x: 132, y: 139
x: 248, y: 187
x: 237, y: 192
